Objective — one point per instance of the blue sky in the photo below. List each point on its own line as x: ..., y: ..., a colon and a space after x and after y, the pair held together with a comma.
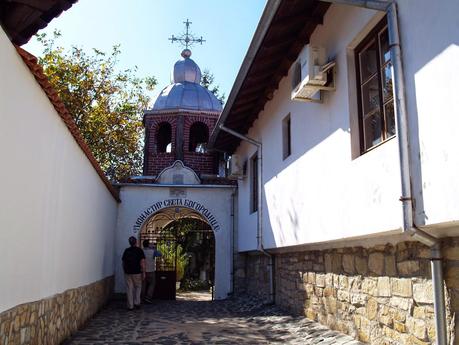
x: 143, y: 27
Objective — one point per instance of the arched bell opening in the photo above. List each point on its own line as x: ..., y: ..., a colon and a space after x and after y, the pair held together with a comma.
x: 187, y: 244
x: 199, y: 137
x: 164, y: 138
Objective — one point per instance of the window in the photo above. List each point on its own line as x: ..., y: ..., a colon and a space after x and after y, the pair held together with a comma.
x: 286, y: 137
x: 199, y: 136
x: 164, y: 137
x: 374, y: 88
x: 296, y: 76
x: 254, y: 183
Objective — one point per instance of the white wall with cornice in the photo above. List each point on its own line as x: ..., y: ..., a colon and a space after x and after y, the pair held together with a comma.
x: 320, y: 194
x: 57, y: 218
x: 216, y: 202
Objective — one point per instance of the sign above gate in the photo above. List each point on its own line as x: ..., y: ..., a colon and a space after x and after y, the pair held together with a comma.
x: 185, y: 203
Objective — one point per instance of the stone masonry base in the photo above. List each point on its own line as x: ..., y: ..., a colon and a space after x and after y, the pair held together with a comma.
x: 49, y: 321
x: 378, y: 295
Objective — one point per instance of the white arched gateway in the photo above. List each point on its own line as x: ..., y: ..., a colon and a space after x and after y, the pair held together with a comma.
x: 142, y: 202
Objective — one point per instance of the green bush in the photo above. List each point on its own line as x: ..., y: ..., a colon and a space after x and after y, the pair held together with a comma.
x: 168, y: 256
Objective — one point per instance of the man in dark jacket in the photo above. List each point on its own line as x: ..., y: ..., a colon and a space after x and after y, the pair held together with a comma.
x: 134, y: 272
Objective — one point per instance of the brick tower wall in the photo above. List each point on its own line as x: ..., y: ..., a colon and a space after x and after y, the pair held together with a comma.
x: 204, y: 163
x: 155, y: 162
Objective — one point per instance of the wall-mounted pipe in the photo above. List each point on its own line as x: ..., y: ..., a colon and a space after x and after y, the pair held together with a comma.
x: 260, y: 246
x: 408, y: 224
x: 405, y: 176
x: 233, y: 252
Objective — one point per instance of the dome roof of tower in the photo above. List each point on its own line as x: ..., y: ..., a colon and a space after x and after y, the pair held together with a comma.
x: 186, y: 70
x: 187, y: 95
x: 186, y: 92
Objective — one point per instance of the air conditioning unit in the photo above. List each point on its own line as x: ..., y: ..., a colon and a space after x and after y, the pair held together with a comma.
x: 236, y: 167
x: 308, y: 74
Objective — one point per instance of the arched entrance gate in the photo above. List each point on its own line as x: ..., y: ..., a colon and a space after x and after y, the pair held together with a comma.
x: 155, y: 206
x: 187, y: 244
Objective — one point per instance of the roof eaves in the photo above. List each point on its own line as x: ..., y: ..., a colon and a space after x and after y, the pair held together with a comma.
x: 262, y: 28
x: 22, y: 19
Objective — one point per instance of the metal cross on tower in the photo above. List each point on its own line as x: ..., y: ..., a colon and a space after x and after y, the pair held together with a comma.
x: 187, y: 39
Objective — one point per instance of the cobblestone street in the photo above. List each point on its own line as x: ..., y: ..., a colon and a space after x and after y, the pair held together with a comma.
x: 193, y: 319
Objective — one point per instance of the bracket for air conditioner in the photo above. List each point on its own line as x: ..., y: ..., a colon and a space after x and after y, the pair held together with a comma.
x: 330, y: 69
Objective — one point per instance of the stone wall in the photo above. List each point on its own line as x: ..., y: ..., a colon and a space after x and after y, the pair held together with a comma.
x: 51, y: 320
x: 379, y: 295
x: 252, y: 275
x: 240, y: 277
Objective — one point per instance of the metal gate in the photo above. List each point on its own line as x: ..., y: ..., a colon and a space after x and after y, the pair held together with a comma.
x: 170, y: 240
x: 165, y: 282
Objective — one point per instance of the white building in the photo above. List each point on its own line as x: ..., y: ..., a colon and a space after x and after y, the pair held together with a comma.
x: 348, y: 177
x: 345, y: 208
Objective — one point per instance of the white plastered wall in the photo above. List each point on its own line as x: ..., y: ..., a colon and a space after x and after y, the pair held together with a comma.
x: 137, y: 199
x: 57, y: 218
x: 430, y: 46
x: 319, y: 193
x: 246, y: 220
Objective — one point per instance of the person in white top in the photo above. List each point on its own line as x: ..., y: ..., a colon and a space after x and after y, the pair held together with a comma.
x: 149, y: 249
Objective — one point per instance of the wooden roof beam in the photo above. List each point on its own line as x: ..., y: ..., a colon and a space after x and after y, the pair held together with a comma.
x: 246, y: 100
x: 258, y: 79
x: 249, y: 94
x: 244, y: 107
x: 297, y: 18
x: 39, y: 5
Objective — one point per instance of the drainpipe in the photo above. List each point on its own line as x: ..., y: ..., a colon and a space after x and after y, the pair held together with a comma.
x: 260, y: 246
x: 409, y: 226
x: 232, y: 243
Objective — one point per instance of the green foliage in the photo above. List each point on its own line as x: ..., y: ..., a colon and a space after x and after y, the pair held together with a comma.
x: 207, y: 81
x: 182, y: 227
x: 182, y: 231
x: 168, y: 256
x: 105, y: 103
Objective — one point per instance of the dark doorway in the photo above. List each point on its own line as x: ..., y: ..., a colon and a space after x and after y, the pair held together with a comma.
x: 187, y: 244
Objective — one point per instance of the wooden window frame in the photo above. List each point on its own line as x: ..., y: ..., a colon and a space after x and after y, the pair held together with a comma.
x: 373, y: 36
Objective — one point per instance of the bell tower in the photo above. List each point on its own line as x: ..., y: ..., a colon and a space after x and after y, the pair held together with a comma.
x: 181, y: 120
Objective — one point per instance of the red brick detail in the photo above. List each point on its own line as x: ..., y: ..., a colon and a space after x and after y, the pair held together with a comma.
x: 203, y: 163
x: 42, y: 79
x: 154, y: 162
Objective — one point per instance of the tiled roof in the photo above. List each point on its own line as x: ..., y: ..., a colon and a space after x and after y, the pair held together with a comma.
x: 42, y: 79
